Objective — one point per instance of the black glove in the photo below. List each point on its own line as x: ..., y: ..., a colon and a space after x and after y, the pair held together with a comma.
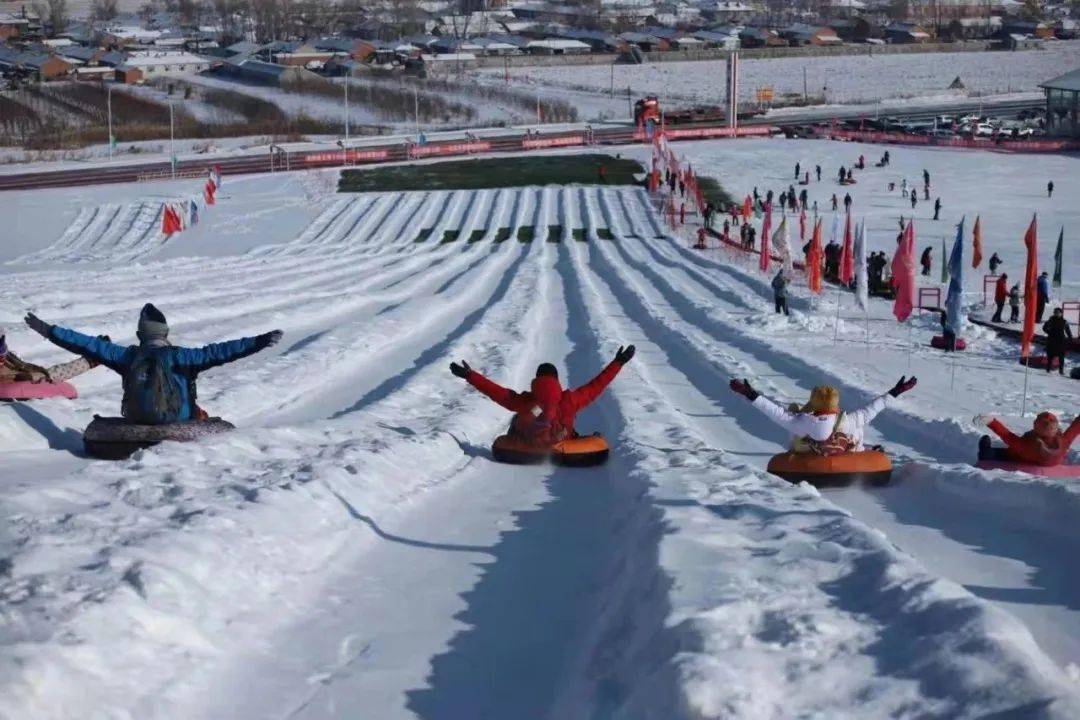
x: 461, y: 370
x: 625, y: 354
x: 273, y: 337
x: 903, y: 385
x: 38, y: 325
x: 743, y: 388
x: 106, y: 338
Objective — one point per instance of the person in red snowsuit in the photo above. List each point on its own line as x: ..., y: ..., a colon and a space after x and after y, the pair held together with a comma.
x: 1045, y: 444
x: 545, y: 413
x: 1001, y: 294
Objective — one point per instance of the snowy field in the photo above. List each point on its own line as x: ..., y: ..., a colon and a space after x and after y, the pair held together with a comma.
x: 353, y: 551
x: 840, y: 79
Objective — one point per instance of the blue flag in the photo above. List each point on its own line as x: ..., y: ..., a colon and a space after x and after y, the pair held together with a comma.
x: 953, y: 315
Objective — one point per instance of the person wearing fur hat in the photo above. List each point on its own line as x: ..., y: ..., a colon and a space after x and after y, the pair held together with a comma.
x: 1045, y: 444
x: 13, y: 369
x: 545, y: 413
x: 159, y: 378
x: 820, y: 427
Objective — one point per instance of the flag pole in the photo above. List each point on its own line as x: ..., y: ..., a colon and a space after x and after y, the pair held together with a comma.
x: 1027, y: 371
x: 836, y: 327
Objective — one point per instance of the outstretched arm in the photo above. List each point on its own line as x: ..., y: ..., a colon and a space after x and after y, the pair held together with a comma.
x: 817, y: 427
x: 214, y: 354
x: 512, y: 401
x: 587, y: 393
x: 99, y: 349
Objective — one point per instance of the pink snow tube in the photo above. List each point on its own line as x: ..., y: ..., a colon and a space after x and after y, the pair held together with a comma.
x: 938, y: 341
x: 37, y: 391
x: 1062, y: 471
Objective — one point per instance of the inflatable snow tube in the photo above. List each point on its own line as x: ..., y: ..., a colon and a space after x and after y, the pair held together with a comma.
x: 582, y: 451
x: 37, y: 391
x: 1075, y: 374
x: 112, y: 438
x: 871, y: 466
x: 1059, y: 471
x: 1039, y: 362
x: 938, y: 341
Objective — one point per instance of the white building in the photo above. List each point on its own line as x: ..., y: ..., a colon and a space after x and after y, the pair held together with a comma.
x: 155, y: 63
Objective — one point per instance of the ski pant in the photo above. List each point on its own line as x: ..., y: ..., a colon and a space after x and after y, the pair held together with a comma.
x: 781, y: 304
x: 1015, y: 316
x: 997, y: 315
x: 1058, y: 353
x: 1040, y: 308
x: 950, y: 341
x: 936, y: 213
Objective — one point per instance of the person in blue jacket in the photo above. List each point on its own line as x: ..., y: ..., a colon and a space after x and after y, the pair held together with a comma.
x: 159, y: 378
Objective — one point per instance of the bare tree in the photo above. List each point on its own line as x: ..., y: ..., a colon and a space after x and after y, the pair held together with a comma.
x: 56, y: 13
x: 103, y: 11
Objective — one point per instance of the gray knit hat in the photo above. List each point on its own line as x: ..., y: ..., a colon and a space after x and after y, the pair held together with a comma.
x: 152, y: 324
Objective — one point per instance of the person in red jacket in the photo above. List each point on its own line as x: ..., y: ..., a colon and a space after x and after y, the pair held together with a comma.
x: 545, y: 413
x: 1001, y: 294
x: 1043, y: 445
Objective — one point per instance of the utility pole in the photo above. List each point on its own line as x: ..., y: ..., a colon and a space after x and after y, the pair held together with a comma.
x: 416, y: 111
x: 108, y: 103
x: 172, y: 141
x: 348, y: 77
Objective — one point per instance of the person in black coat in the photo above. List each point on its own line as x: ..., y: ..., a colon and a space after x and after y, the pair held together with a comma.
x: 995, y: 262
x: 1058, y: 335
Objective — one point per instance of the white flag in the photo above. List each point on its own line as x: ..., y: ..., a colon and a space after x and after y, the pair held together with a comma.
x: 781, y: 242
x: 862, y: 290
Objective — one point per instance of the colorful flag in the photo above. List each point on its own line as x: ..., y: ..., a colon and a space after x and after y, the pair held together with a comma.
x: 1059, y: 256
x: 193, y: 213
x: 847, y: 254
x: 215, y: 174
x: 747, y: 208
x: 208, y: 191
x: 954, y: 318
x: 1031, y: 290
x: 944, y: 265
x: 813, y: 260
x: 976, y: 241
x: 766, y: 228
x: 903, y: 272
x: 170, y: 221
x: 862, y: 281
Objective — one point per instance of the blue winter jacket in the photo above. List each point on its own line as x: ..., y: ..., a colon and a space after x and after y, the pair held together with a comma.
x: 187, y: 363
x: 1044, y: 288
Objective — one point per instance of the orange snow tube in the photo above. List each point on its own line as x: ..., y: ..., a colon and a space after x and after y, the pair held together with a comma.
x: 872, y: 466
x: 576, y: 452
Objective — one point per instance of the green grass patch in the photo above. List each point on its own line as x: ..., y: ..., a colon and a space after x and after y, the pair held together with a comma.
x: 554, y: 233
x: 481, y: 173
x: 424, y: 234
x: 526, y: 233
x: 605, y: 234
x: 477, y: 235
x: 449, y: 236
x: 502, y: 235
x: 579, y: 234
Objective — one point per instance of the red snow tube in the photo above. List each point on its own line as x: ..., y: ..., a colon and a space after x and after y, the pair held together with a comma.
x: 37, y: 391
x: 872, y: 466
x: 1039, y: 361
x: 1062, y: 471
x: 938, y: 341
x: 576, y: 452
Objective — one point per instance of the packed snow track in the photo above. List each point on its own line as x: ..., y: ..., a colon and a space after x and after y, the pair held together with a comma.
x: 352, y: 550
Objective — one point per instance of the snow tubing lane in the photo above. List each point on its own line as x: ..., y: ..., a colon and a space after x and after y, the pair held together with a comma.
x: 584, y: 451
x: 938, y: 341
x: 37, y: 391
x: 868, y: 466
x: 1060, y: 471
x: 111, y: 438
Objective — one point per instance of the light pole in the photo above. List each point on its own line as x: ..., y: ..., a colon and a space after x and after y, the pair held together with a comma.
x: 108, y: 104
x: 348, y: 76
x: 172, y: 141
x: 416, y: 111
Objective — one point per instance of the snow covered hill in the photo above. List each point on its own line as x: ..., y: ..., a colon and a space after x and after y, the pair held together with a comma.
x: 353, y: 551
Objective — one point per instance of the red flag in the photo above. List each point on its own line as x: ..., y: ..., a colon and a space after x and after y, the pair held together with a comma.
x: 1031, y: 291
x: 766, y: 227
x: 208, y: 192
x: 847, y: 255
x: 813, y: 260
x: 747, y: 208
x: 170, y: 221
x: 976, y: 239
x: 903, y: 270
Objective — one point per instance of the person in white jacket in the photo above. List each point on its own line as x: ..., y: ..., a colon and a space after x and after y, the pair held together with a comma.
x: 821, y: 421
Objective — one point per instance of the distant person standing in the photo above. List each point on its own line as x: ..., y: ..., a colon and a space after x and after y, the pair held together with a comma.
x: 1057, y: 336
x: 797, y: 166
x: 834, y: 202
x: 847, y: 202
x: 1043, y: 296
x: 995, y: 263
x: 926, y: 178
x: 1001, y: 294
x: 1050, y: 189
x: 927, y: 258
x: 779, y: 286
x: 914, y: 198
x: 937, y: 209
x: 1014, y: 304
x: 817, y: 171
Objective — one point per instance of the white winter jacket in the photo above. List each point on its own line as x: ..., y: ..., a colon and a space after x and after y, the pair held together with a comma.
x: 820, y: 427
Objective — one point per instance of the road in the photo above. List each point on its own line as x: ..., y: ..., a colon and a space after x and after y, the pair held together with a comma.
x: 399, y: 148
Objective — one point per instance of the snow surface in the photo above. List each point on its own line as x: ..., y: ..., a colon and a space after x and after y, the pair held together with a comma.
x: 353, y: 550
x: 840, y: 79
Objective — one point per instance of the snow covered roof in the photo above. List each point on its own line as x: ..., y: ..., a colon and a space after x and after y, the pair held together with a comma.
x: 559, y: 44
x: 1070, y: 81
x: 151, y: 58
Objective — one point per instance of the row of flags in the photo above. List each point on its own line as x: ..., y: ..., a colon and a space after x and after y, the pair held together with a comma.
x: 178, y: 216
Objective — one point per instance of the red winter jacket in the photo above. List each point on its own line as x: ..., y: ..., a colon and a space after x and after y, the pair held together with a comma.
x: 1001, y: 290
x: 1028, y: 448
x: 546, y: 412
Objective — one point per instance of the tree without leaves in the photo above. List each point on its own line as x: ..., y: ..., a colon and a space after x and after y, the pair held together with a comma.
x: 103, y: 11
x: 56, y: 13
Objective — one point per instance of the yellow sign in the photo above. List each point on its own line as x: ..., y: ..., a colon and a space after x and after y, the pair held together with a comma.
x: 764, y: 95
